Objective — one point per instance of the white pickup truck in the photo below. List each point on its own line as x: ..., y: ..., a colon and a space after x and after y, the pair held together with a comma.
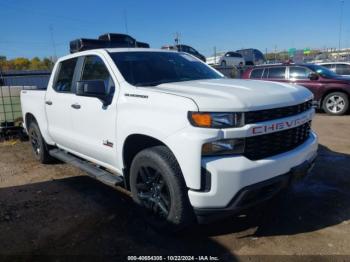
x: 188, y: 143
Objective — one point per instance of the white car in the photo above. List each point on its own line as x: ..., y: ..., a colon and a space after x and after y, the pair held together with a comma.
x: 226, y: 59
x: 188, y: 143
x: 340, y: 68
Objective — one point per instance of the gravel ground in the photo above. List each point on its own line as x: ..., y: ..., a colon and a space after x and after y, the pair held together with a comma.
x: 55, y: 211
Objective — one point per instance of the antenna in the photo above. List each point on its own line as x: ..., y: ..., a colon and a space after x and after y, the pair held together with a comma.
x: 53, y: 43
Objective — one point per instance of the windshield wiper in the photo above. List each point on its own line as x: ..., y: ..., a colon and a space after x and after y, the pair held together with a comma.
x: 155, y: 83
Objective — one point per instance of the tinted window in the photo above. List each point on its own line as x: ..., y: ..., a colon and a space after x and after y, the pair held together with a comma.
x: 329, y: 66
x: 65, y: 75
x: 183, y: 48
x: 297, y: 72
x: 256, y: 73
x: 155, y: 68
x: 321, y: 70
x: 192, y: 51
x: 236, y: 55
x: 342, y: 69
x: 266, y: 72
x: 277, y: 72
x: 95, y: 69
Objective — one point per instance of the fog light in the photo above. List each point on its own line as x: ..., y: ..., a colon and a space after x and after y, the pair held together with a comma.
x: 224, y: 147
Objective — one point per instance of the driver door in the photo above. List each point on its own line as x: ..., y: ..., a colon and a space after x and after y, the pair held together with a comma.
x: 94, y: 123
x: 300, y: 75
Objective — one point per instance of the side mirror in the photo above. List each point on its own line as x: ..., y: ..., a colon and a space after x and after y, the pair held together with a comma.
x: 91, y: 88
x: 313, y: 76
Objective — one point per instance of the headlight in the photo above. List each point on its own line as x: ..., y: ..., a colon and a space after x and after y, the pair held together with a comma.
x: 224, y: 147
x: 216, y: 120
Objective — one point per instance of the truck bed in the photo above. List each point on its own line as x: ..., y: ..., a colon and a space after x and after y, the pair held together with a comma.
x: 33, y: 102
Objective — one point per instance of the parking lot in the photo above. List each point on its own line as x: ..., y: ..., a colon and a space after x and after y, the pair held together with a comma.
x: 56, y: 210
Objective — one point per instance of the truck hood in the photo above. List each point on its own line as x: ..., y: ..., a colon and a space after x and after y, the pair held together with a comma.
x: 237, y: 95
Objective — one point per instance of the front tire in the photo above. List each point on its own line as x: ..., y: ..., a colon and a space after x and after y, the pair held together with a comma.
x: 157, y: 186
x: 39, y: 146
x: 223, y: 64
x: 336, y: 103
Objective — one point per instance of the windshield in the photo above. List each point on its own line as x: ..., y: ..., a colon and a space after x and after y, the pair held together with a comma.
x: 155, y: 68
x: 322, y: 71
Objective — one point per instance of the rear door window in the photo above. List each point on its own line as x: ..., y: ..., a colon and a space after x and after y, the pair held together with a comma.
x: 266, y: 73
x: 329, y: 66
x: 65, y: 75
x: 237, y: 55
x: 277, y: 72
x: 342, y: 69
x: 256, y: 73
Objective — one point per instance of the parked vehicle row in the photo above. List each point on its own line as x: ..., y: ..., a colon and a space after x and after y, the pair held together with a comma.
x: 226, y: 59
x: 340, y: 68
x: 331, y: 91
x: 186, y: 49
x: 190, y: 144
x: 247, y: 57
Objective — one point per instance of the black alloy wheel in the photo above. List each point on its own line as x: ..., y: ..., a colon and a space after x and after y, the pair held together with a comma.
x: 153, y: 191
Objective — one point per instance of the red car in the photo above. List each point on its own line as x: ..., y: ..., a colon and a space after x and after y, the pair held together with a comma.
x: 331, y: 91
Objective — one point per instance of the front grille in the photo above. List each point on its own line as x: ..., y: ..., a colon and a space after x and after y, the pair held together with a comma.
x: 263, y: 146
x: 275, y: 113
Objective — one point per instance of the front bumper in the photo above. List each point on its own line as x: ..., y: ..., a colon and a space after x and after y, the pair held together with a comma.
x: 255, y: 194
x: 229, y: 175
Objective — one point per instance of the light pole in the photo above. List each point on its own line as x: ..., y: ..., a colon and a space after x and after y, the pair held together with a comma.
x: 340, y: 23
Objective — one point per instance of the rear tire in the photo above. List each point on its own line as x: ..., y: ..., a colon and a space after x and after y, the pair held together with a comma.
x: 336, y: 103
x: 39, y: 146
x: 158, y: 187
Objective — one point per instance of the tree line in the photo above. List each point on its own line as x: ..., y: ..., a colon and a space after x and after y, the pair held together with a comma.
x: 22, y: 63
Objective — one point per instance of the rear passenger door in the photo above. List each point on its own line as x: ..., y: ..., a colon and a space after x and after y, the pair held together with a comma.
x: 276, y: 73
x: 94, y: 123
x: 58, y: 100
x: 232, y: 59
x: 342, y: 69
x: 330, y: 67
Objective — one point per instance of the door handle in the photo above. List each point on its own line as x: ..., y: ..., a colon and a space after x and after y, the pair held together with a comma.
x: 76, y: 106
x: 48, y: 103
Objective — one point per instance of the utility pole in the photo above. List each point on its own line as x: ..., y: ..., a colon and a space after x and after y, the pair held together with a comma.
x: 275, y: 53
x: 177, y: 38
x: 214, y: 54
x: 126, y: 22
x: 340, y: 23
x: 53, y: 60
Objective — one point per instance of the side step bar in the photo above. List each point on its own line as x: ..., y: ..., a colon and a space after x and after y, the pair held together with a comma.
x: 91, y: 169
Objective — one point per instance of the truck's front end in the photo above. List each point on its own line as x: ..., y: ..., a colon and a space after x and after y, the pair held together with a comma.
x: 239, y: 143
x: 247, y: 158
x: 250, y: 139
